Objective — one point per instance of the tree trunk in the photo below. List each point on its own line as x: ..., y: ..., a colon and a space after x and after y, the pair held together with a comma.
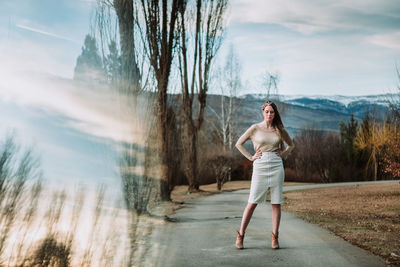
x: 375, y: 166
x: 190, y: 146
x: 230, y: 133
x: 162, y: 123
x: 190, y: 158
x: 223, y: 123
x: 130, y: 70
x: 159, y: 36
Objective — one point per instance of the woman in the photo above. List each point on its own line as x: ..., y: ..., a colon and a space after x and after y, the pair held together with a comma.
x: 268, y: 138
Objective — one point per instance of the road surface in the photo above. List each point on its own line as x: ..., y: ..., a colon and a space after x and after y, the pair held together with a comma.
x: 204, y: 235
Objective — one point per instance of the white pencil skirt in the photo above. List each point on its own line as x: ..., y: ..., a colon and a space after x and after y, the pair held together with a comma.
x: 268, y: 172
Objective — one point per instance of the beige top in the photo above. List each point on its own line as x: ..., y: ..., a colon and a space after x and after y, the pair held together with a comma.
x: 264, y: 140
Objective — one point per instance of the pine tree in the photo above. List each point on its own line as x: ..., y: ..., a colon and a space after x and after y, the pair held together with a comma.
x: 112, y: 64
x: 348, y: 134
x: 366, y: 126
x: 89, y: 65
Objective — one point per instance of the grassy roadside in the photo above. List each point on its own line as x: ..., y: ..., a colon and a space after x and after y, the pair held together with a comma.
x: 179, y: 195
x: 367, y: 215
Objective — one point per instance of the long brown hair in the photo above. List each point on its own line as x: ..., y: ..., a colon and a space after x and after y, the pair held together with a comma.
x: 277, y: 121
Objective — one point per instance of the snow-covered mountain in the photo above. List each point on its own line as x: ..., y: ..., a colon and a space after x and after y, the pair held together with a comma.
x: 377, y: 105
x: 346, y: 101
x: 299, y: 111
x: 382, y: 99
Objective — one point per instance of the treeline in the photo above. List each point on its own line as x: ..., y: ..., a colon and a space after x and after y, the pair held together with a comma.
x: 361, y: 150
x: 358, y: 152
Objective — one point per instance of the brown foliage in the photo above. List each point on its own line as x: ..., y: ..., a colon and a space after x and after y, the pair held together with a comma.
x: 316, y: 153
x: 52, y: 253
x: 373, y: 140
x: 221, y: 166
x: 392, y: 156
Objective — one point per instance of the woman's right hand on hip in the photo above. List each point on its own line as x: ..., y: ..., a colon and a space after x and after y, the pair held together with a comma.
x: 257, y: 155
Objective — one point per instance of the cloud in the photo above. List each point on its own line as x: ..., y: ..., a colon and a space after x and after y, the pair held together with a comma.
x: 390, y: 40
x: 98, y: 112
x: 317, y: 46
x: 37, y: 74
x: 310, y: 17
x: 93, y: 113
x: 317, y: 63
x: 45, y: 33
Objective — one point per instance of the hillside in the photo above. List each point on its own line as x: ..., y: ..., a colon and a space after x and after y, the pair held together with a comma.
x: 323, y: 112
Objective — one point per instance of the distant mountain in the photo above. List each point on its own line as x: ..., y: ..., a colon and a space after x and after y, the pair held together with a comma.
x: 357, y: 105
x: 345, y: 100
x: 299, y: 111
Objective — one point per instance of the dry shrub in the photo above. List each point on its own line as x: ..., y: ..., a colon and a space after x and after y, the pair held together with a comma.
x: 49, y: 237
x: 241, y: 169
x: 206, y: 174
x: 238, y: 170
x: 391, y: 157
x: 292, y: 176
x: 221, y: 166
x: 52, y: 252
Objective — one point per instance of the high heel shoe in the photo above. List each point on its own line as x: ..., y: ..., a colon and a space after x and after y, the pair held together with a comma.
x: 239, y: 240
x: 274, y: 241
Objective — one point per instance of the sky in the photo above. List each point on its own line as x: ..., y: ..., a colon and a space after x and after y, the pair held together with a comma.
x: 316, y: 47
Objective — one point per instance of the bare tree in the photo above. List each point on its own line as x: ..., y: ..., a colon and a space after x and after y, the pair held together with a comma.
x: 307, y: 150
x: 147, y: 36
x: 130, y: 70
x: 317, y: 152
x: 16, y: 170
x: 104, y: 25
x: 221, y: 168
x: 118, y: 29
x: 159, y: 35
x: 196, y: 55
x: 394, y: 102
x: 230, y: 84
x: 270, y: 84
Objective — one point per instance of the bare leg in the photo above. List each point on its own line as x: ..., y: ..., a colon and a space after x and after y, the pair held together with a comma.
x: 248, y: 212
x: 276, y: 218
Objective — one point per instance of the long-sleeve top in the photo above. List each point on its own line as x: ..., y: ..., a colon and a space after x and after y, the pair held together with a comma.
x: 265, y: 141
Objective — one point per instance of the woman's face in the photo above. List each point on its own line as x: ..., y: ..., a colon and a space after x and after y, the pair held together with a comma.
x: 268, y: 113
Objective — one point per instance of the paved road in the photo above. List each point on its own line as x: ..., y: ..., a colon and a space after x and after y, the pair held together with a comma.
x: 204, y: 235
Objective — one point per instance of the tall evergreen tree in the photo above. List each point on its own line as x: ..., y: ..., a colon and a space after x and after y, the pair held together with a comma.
x: 112, y: 64
x: 366, y: 125
x: 89, y: 66
x: 348, y: 134
x: 364, y: 133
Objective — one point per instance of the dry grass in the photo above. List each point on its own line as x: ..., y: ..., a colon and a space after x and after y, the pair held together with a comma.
x: 180, y: 193
x: 367, y: 215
